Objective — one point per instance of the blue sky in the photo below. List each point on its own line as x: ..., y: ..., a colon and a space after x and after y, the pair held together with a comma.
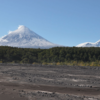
x: 64, y: 22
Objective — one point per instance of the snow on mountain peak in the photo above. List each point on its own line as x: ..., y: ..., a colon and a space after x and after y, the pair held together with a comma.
x: 24, y: 37
x: 89, y: 44
x: 21, y: 30
x: 21, y: 27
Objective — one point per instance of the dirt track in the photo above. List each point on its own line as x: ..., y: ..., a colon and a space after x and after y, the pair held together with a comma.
x: 27, y: 82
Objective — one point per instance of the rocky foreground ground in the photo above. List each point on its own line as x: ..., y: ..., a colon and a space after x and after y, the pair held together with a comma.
x: 39, y: 82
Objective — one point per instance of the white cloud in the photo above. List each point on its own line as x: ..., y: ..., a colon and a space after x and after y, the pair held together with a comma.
x: 9, y: 32
x: 20, y: 26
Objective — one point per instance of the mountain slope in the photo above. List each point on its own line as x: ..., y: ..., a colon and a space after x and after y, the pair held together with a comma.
x: 25, y: 38
x: 89, y: 44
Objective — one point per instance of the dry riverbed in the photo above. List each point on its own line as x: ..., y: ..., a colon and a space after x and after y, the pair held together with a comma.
x: 35, y: 82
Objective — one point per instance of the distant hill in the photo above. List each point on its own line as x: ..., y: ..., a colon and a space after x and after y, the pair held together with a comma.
x: 89, y: 44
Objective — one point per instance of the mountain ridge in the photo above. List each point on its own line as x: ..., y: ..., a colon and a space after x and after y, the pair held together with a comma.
x: 25, y: 38
x: 89, y: 44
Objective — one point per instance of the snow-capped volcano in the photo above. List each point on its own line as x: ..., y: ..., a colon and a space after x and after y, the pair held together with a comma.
x: 25, y: 38
x: 89, y: 44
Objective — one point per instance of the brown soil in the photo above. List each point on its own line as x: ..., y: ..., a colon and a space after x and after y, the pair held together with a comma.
x: 10, y: 91
x: 49, y: 83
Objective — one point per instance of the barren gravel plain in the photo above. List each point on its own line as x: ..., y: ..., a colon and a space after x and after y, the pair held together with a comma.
x: 47, y: 82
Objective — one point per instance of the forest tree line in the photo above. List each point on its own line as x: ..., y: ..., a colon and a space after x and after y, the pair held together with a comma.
x: 56, y: 54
